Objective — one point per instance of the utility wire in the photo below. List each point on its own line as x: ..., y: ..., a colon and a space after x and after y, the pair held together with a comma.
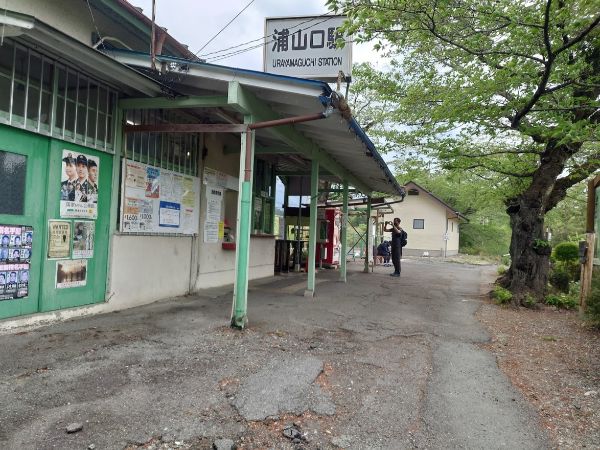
x: 94, y: 20
x: 263, y: 37
x: 228, y: 23
x: 229, y: 55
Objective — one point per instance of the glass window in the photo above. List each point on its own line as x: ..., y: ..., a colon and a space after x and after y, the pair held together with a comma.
x: 13, y: 171
x: 264, y: 197
x: 418, y: 224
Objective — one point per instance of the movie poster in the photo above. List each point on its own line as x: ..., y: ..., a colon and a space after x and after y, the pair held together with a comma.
x: 71, y: 273
x: 79, y: 185
x: 15, y: 254
x: 59, y: 239
x: 83, y: 239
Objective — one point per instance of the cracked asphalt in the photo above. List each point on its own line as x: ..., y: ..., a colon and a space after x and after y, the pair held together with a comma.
x: 377, y: 363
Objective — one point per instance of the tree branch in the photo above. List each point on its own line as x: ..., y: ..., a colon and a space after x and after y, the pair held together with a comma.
x: 580, y: 36
x: 545, y: 76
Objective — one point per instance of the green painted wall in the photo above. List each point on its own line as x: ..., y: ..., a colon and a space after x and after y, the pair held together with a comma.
x: 43, y: 204
x: 35, y: 148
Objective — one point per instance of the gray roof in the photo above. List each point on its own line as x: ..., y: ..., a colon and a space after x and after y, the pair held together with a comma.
x: 342, y: 138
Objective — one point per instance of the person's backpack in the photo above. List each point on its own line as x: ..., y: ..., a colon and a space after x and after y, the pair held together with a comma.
x: 403, y: 239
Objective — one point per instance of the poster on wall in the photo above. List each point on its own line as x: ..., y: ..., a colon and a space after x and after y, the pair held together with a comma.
x: 137, y: 215
x: 15, y: 254
x: 214, y: 201
x: 152, y: 182
x: 59, y: 239
x: 169, y: 214
x: 83, y: 239
x: 215, y: 178
x: 71, y: 273
x: 79, y: 185
x: 159, y: 200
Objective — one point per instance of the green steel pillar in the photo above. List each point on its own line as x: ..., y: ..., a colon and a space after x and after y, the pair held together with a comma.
x: 368, y: 244
x: 313, y: 232
x: 344, y: 234
x: 239, y: 318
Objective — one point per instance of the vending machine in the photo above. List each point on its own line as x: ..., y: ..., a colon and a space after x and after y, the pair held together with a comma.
x: 332, y: 245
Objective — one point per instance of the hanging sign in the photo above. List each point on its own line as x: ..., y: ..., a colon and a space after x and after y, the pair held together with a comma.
x: 305, y: 47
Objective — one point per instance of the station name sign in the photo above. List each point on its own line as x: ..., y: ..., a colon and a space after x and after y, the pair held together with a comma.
x: 305, y: 47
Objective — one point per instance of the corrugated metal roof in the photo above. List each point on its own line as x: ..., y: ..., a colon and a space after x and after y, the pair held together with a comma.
x: 343, y: 139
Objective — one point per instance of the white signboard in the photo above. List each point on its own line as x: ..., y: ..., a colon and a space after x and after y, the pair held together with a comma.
x: 305, y: 47
x: 157, y: 200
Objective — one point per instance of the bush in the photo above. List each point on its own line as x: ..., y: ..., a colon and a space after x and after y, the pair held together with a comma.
x: 502, y: 270
x: 560, y: 280
x: 501, y: 295
x: 566, y: 251
x: 505, y: 260
x: 562, y: 301
x: 529, y: 301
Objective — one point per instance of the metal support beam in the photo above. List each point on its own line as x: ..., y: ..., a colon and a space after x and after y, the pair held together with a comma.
x: 313, y: 232
x: 368, y: 236
x: 344, y: 234
x: 188, y: 128
x: 274, y: 151
x: 209, y: 101
x: 239, y: 318
x: 247, y: 103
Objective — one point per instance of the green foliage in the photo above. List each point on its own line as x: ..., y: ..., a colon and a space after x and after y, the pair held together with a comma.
x: 560, y: 280
x: 501, y: 270
x: 501, y: 295
x: 566, y: 251
x: 566, y: 221
x: 563, y: 301
x: 481, y: 239
x: 529, y: 301
x: 504, y: 91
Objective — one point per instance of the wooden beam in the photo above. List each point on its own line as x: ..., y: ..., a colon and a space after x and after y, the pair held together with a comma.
x: 591, y: 205
x: 209, y: 101
x: 274, y: 151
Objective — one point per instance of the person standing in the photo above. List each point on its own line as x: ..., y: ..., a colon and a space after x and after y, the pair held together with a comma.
x: 82, y: 184
x: 67, y: 187
x: 399, y: 239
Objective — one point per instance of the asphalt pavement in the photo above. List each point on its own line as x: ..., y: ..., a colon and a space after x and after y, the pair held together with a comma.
x: 376, y: 363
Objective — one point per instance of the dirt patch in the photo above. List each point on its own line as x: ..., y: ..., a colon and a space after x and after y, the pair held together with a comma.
x: 554, y: 360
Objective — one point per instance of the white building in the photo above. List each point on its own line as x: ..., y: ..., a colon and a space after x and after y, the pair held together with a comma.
x: 432, y: 225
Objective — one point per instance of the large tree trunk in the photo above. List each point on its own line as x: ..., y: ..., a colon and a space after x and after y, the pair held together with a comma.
x: 530, y: 254
x: 527, y: 276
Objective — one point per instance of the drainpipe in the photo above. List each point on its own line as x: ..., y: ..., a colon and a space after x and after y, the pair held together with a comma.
x: 239, y: 318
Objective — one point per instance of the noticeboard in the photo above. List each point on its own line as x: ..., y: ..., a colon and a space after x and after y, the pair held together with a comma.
x: 157, y: 200
x: 305, y: 47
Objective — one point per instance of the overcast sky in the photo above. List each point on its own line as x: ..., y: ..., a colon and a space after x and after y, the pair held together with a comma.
x: 194, y: 23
